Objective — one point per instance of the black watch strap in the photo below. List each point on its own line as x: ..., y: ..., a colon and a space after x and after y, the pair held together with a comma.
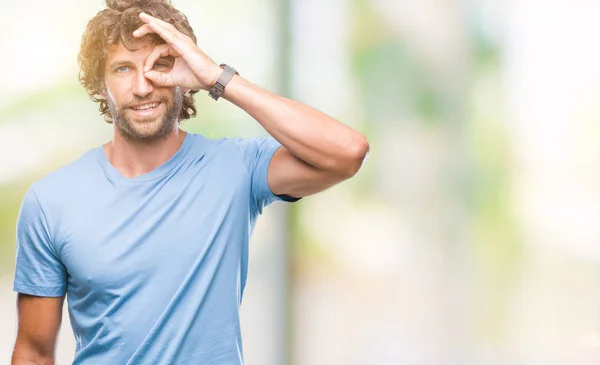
x: 218, y: 88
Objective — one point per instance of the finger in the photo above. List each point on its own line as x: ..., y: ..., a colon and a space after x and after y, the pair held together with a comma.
x: 165, y: 30
x: 160, y: 78
x: 147, y: 18
x: 142, y: 31
x: 162, y: 50
x: 181, y: 43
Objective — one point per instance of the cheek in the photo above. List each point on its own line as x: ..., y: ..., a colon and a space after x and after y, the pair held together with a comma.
x: 118, y: 90
x: 171, y: 93
x: 115, y: 96
x: 110, y: 97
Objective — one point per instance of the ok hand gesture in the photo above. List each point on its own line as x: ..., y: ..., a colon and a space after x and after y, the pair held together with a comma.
x: 192, y: 70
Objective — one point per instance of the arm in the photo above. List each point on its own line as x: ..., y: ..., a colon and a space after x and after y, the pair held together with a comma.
x: 39, y: 322
x: 317, y: 151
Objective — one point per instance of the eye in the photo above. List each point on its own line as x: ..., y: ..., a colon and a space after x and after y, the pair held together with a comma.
x: 160, y: 65
x: 122, y: 69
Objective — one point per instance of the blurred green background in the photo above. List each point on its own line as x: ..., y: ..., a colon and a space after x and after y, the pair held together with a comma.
x: 472, y: 234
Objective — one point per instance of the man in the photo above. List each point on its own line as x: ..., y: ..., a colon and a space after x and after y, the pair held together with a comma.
x: 147, y: 236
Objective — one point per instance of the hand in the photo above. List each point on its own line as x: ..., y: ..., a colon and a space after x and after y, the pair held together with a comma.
x: 192, y: 70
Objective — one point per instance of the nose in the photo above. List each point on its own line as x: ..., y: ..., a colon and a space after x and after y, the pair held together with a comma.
x: 141, y: 85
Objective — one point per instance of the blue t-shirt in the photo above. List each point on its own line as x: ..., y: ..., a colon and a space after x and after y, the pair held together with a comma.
x: 154, y: 267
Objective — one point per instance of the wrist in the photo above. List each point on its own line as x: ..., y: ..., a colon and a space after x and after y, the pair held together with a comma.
x: 232, y: 86
x: 213, y: 76
x: 226, y: 75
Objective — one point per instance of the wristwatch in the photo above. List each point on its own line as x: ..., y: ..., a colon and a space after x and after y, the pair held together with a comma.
x: 219, y: 87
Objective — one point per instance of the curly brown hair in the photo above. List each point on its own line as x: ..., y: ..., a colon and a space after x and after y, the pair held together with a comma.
x: 115, y: 25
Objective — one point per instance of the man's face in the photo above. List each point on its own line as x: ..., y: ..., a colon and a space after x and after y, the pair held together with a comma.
x: 140, y: 109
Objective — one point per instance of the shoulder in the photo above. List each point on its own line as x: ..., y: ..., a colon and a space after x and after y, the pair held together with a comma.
x: 202, y: 145
x: 224, y: 147
x: 66, y: 180
x: 254, y: 148
x: 241, y: 143
x: 235, y: 153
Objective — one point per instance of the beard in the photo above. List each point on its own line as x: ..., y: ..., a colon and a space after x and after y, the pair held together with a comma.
x: 151, y: 128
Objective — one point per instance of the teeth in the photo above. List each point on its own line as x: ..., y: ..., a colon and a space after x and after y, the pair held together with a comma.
x: 146, y: 106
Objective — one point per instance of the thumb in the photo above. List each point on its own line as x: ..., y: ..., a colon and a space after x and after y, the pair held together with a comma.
x: 160, y: 78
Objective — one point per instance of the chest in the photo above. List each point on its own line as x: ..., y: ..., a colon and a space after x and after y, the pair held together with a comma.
x: 154, y: 231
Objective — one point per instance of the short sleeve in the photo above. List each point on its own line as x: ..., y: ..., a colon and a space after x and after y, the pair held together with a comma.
x: 38, y: 269
x: 257, y: 154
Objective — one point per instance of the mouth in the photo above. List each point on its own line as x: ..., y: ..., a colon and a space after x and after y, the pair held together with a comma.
x: 146, y: 109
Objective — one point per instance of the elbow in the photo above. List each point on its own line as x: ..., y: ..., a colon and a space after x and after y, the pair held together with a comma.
x: 26, y: 352
x: 24, y: 358
x: 356, y: 155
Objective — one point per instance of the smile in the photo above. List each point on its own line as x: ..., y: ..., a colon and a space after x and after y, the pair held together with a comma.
x: 148, y: 110
x: 145, y: 106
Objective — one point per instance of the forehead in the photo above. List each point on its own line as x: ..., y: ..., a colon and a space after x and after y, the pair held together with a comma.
x: 140, y: 49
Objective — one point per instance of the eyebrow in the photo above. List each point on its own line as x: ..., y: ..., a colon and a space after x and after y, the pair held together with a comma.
x: 119, y: 64
x: 112, y: 66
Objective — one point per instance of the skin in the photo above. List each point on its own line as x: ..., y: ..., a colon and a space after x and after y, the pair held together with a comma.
x: 317, y: 151
x: 39, y: 322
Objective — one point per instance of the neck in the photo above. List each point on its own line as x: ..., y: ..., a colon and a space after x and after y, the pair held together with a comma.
x: 132, y: 158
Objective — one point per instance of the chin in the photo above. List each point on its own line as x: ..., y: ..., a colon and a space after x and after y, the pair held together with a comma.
x: 149, y: 129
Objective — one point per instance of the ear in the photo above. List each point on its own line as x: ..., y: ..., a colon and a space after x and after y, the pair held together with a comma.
x: 102, y: 94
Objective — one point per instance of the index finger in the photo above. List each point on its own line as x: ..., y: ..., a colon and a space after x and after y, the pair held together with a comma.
x: 142, y: 31
x: 165, y: 30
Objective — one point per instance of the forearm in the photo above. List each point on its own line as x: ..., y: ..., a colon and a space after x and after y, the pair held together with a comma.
x: 308, y: 134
